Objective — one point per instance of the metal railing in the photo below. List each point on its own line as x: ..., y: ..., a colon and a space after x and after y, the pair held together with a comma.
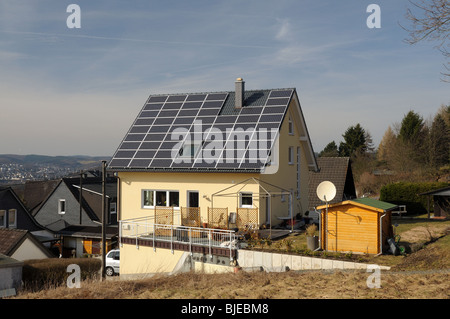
x: 145, y: 229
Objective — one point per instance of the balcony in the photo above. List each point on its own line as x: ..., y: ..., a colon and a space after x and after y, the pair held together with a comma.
x: 145, y: 232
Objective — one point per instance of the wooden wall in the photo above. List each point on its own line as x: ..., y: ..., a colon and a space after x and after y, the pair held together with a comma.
x: 351, y: 228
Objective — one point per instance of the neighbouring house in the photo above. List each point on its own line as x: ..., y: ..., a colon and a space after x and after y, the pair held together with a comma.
x: 35, y: 192
x: 439, y: 199
x: 337, y: 170
x: 360, y: 225
x: 78, y: 224
x: 15, y: 215
x: 22, y: 245
x: 219, y: 160
x: 10, y: 276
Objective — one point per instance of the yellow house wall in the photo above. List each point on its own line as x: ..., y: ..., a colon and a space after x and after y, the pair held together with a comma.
x: 350, y: 228
x: 286, y: 175
x: 132, y: 184
x: 144, y: 260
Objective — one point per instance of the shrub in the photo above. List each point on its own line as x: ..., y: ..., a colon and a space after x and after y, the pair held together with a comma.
x: 311, y: 230
x: 403, y: 193
x: 46, y: 273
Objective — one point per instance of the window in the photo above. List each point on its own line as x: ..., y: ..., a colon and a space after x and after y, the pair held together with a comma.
x: 152, y: 198
x: 161, y: 198
x: 246, y: 200
x: 291, y: 155
x: 12, y: 218
x: 113, y: 208
x: 147, y: 198
x: 62, y: 206
x: 113, y: 213
x: 290, y: 126
x: 174, y: 199
x: 2, y: 218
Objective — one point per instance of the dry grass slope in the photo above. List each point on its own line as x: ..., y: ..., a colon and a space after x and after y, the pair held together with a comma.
x: 424, y: 274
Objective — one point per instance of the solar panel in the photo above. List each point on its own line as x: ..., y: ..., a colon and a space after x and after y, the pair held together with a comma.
x: 196, y: 97
x: 176, y: 98
x: 160, y: 98
x: 153, y: 107
x: 145, y: 154
x: 234, y: 139
x: 280, y: 93
x: 278, y: 101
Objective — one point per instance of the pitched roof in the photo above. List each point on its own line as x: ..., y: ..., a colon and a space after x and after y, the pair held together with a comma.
x: 206, y: 132
x: 445, y: 191
x: 11, y: 239
x: 33, y: 224
x: 385, y: 206
x: 365, y: 202
x: 336, y: 170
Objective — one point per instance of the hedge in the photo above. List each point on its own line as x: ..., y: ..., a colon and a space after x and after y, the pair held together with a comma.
x: 52, y: 272
x: 403, y: 193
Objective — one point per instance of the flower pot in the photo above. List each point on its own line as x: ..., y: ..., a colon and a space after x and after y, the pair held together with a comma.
x: 312, y: 242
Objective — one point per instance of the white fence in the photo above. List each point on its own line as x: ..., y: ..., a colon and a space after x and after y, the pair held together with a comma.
x: 145, y: 229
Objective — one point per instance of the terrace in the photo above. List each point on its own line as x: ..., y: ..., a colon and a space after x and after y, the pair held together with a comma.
x: 144, y: 231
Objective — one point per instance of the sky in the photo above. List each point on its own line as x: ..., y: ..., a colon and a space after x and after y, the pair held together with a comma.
x: 76, y: 91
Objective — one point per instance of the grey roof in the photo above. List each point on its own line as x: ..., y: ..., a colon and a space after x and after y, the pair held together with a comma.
x: 336, y: 170
x: 204, y: 131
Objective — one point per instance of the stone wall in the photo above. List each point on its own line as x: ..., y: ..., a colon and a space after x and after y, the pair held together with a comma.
x: 275, y: 262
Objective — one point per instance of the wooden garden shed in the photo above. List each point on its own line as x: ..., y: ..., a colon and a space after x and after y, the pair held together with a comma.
x: 360, y: 225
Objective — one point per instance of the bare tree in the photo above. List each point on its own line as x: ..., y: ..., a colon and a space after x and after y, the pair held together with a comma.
x: 432, y: 22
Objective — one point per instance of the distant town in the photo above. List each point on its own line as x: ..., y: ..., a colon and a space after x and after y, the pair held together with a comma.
x: 16, y: 169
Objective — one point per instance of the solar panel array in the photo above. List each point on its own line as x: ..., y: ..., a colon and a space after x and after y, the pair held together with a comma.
x: 186, y: 131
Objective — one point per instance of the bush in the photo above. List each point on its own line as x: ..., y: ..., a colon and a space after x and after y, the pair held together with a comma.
x: 46, y: 273
x: 403, y: 193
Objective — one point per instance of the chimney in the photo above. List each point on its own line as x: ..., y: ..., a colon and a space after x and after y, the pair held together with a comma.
x: 239, y: 93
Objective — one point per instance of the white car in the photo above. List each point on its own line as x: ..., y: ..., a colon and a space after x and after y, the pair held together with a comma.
x: 112, y: 262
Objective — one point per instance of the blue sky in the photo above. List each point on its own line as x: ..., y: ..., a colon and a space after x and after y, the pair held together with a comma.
x: 76, y: 91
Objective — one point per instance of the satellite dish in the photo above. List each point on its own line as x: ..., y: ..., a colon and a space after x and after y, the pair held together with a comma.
x: 326, y: 191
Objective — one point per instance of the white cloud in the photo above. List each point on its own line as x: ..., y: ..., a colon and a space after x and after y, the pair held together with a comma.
x: 284, y: 30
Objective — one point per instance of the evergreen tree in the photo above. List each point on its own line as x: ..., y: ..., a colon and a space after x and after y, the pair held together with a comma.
x: 439, y: 142
x: 354, y: 141
x: 411, y: 128
x: 331, y: 150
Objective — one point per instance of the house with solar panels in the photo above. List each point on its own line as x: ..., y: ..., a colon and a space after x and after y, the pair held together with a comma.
x: 194, y: 168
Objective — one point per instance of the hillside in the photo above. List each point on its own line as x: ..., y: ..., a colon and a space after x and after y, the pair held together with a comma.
x: 62, y: 161
x: 422, y: 274
x: 21, y: 168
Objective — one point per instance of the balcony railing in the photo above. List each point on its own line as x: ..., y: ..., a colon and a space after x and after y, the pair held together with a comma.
x: 144, y: 228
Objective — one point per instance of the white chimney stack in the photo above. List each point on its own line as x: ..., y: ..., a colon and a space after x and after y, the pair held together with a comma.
x: 239, y: 93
